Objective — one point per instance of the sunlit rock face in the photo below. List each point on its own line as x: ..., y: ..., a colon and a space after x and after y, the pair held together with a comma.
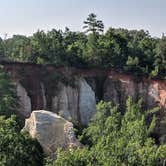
x: 65, y: 103
x: 24, y: 101
x: 117, y: 89
x: 77, y: 103
x: 112, y: 85
x: 153, y: 93
x: 87, y: 103
x: 157, y: 91
x: 43, y: 95
x: 51, y: 130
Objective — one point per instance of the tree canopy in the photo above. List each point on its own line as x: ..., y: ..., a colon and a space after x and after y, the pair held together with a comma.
x: 17, y: 149
x: 132, y: 51
x: 93, y: 25
x: 115, y: 139
x: 8, y: 97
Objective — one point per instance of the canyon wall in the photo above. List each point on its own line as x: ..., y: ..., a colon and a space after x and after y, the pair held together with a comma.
x: 73, y: 93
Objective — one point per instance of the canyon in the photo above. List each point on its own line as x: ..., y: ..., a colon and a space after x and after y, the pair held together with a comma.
x: 73, y: 93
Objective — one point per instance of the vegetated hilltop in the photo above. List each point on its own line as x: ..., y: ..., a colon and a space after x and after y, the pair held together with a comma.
x: 126, y: 50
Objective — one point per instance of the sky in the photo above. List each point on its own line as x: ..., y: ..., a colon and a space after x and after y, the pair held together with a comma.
x: 27, y: 16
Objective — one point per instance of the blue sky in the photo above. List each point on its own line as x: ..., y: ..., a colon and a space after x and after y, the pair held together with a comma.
x: 27, y: 16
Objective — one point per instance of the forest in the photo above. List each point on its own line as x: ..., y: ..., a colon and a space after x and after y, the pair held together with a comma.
x: 120, y: 49
x: 113, y: 137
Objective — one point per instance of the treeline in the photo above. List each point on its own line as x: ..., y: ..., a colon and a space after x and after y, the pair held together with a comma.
x: 125, y: 50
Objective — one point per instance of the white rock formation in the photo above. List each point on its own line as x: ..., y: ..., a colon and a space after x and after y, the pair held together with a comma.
x: 65, y: 103
x: 43, y: 95
x: 51, y: 130
x: 25, y: 102
x: 87, y: 102
x: 75, y: 104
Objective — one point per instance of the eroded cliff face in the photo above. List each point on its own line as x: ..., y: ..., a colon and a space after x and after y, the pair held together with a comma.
x: 73, y: 93
x: 25, y: 101
x: 118, y: 88
x: 77, y: 103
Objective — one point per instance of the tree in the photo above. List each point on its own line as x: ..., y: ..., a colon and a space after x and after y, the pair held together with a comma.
x: 17, y: 149
x: 2, y: 52
x: 48, y: 48
x: 114, y: 48
x: 74, y: 45
x: 93, y: 25
x: 160, y: 57
x: 18, y: 48
x: 8, y: 97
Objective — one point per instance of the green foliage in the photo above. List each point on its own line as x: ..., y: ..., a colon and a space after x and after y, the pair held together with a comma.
x: 2, y: 51
x: 72, y: 158
x: 116, y: 139
x: 8, y: 98
x: 160, y: 57
x: 18, y: 48
x: 48, y: 48
x: 125, y: 50
x: 17, y: 149
x: 93, y: 25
